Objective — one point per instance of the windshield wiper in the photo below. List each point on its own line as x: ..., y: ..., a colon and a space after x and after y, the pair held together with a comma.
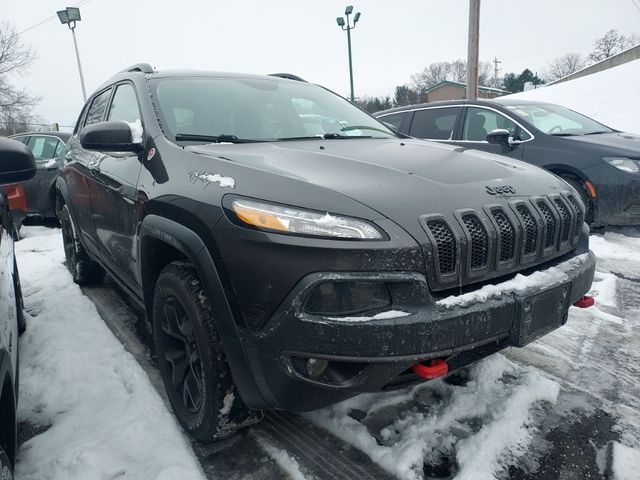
x: 564, y: 134
x: 596, y: 133
x: 326, y: 136
x: 363, y: 127
x: 222, y: 138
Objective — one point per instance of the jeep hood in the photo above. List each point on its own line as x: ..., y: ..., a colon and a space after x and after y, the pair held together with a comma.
x: 401, y: 179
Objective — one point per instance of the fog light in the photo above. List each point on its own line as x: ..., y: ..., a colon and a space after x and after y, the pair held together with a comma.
x: 344, y: 298
x: 316, y: 367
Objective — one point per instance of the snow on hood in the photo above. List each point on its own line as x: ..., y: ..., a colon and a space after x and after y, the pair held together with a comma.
x: 610, y: 96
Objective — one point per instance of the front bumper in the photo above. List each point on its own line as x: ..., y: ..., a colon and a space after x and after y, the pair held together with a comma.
x: 378, y: 355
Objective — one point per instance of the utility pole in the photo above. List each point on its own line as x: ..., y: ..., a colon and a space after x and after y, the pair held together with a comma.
x: 495, y: 71
x: 473, y: 49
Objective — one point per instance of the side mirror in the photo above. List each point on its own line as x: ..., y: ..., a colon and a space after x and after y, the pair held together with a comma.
x: 16, y: 162
x: 112, y: 137
x: 499, y: 136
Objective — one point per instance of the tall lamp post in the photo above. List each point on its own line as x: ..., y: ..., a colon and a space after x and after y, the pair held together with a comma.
x: 348, y: 26
x: 69, y: 17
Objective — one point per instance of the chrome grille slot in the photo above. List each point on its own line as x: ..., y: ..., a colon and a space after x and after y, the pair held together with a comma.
x: 506, y: 236
x: 566, y: 220
x: 550, y: 221
x: 579, y: 215
x: 479, y: 248
x: 445, y: 245
x: 530, y: 229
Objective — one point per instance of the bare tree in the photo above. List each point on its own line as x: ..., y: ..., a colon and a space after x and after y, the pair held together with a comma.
x: 485, y: 73
x: 611, y: 43
x: 565, y: 65
x: 15, y: 56
x: 430, y: 76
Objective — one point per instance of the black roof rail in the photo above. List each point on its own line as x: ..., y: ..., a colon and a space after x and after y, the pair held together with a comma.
x: 139, y: 67
x: 289, y: 76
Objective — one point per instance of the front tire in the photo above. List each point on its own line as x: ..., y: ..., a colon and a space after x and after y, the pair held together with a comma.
x: 581, y: 190
x: 191, y: 359
x: 6, y: 472
x: 84, y: 270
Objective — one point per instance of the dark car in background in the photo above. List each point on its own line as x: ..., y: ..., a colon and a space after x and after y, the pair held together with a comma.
x: 16, y: 165
x: 48, y: 150
x: 600, y: 163
x: 291, y: 251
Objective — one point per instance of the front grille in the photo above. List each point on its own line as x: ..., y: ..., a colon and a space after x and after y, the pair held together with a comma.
x: 566, y: 220
x: 479, y: 241
x: 530, y: 229
x: 506, y: 235
x: 445, y: 245
x: 477, y: 245
x: 579, y: 215
x: 550, y: 220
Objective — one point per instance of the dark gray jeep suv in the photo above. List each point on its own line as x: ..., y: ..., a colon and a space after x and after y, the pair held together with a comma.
x: 291, y: 251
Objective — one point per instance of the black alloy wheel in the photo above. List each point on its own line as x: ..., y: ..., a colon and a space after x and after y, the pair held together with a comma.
x: 181, y: 354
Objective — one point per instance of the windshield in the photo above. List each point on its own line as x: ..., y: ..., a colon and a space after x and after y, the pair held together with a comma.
x: 557, y: 120
x: 206, y: 109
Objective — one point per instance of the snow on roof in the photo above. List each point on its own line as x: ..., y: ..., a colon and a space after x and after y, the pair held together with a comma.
x: 611, y: 96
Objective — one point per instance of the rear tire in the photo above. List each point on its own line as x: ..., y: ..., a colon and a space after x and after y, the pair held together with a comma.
x: 84, y: 270
x: 6, y: 472
x: 191, y: 359
x: 582, y: 192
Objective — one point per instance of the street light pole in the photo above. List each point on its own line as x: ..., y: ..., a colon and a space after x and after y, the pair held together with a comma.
x: 75, y: 44
x: 348, y: 26
x: 69, y: 17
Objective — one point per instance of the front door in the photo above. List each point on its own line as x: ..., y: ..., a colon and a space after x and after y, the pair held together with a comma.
x: 78, y: 170
x: 114, y: 193
x: 479, y: 121
x: 48, y: 151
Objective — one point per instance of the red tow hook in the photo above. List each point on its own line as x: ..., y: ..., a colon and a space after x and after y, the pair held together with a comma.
x: 585, y: 302
x: 434, y: 369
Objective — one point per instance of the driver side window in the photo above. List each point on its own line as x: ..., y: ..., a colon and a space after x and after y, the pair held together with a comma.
x: 479, y: 122
x: 124, y: 105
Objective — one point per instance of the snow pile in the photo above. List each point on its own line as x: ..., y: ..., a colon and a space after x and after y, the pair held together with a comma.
x: 136, y: 131
x: 379, y: 316
x: 105, y: 418
x: 626, y: 462
x: 482, y: 426
x: 519, y: 284
x: 610, y: 96
x: 285, y: 461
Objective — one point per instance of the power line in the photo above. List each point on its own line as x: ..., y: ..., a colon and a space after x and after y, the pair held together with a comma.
x: 79, y: 4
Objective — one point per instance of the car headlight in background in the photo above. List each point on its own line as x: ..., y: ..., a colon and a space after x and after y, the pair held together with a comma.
x: 625, y: 164
x: 279, y: 218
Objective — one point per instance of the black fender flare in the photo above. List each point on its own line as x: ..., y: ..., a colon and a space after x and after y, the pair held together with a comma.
x: 61, y: 189
x: 191, y: 245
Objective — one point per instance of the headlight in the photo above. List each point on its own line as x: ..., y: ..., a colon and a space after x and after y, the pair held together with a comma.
x: 304, y: 222
x: 625, y: 164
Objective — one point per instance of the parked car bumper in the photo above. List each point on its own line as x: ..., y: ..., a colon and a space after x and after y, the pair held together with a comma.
x: 617, y: 196
x: 378, y: 355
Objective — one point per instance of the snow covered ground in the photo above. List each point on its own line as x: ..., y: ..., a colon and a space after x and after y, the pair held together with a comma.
x: 101, y: 417
x: 611, y: 96
x: 566, y: 406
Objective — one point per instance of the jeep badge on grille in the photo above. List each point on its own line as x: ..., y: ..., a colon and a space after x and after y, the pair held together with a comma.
x: 500, y: 190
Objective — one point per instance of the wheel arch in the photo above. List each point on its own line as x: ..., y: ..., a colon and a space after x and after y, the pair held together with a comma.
x: 579, y: 176
x: 61, y: 193
x: 160, y: 235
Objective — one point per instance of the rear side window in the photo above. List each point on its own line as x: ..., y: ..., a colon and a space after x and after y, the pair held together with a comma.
x: 124, y: 105
x: 395, y: 120
x: 43, y: 148
x: 98, y: 107
x: 434, y: 123
x: 22, y: 139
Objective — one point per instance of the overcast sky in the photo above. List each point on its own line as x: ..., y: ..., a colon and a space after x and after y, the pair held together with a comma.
x: 392, y: 40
